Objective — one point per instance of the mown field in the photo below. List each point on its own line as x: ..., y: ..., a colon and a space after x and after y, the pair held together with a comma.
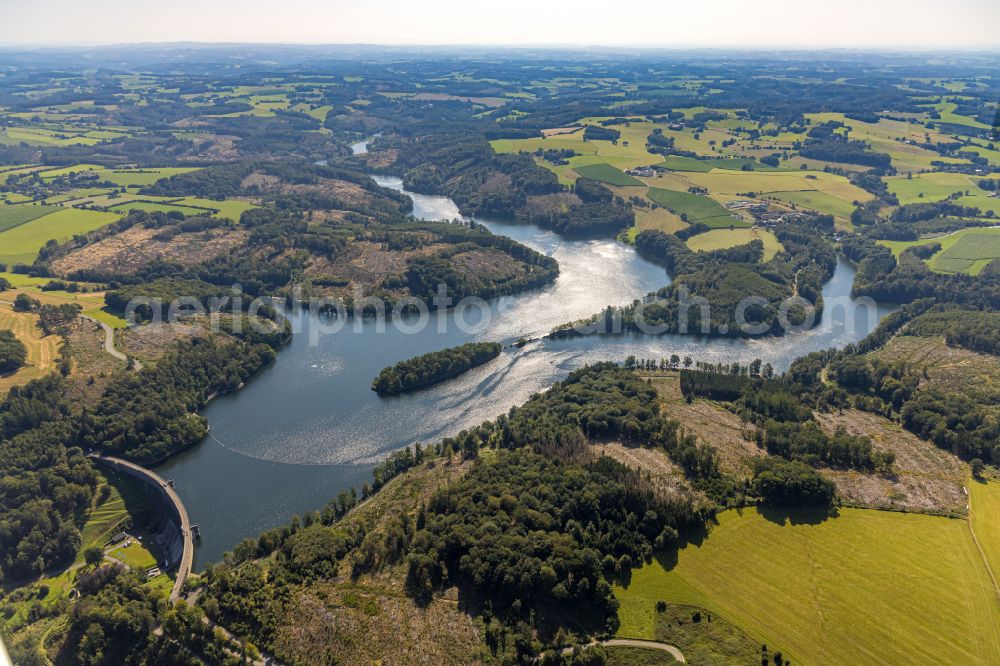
x: 928, y: 187
x: 22, y: 243
x: 817, y: 201
x: 608, y: 174
x: 153, y: 206
x: 720, y: 239
x: 984, y: 498
x: 92, y: 302
x: 966, y: 251
x: 140, y: 177
x: 865, y: 587
x: 43, y: 351
x: 696, y: 207
x: 14, y: 216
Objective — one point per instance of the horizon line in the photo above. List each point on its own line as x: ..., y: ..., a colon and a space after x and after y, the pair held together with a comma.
x: 939, y: 48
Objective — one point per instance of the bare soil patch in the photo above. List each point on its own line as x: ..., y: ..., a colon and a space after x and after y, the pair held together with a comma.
x: 559, y: 202
x: 951, y: 369
x: 260, y: 180
x: 366, y: 262
x: 499, y: 266
x: 346, y: 191
x: 347, y: 621
x: 150, y: 342
x: 126, y: 252
x: 667, y: 477
x: 711, y: 424
x: 330, y: 624
x: 382, y: 159
x: 925, y: 477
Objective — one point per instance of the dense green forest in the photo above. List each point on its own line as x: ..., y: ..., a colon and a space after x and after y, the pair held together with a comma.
x: 429, y: 369
x: 12, y: 352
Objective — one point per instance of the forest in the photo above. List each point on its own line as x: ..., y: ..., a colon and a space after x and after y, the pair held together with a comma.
x: 12, y: 352
x: 429, y: 369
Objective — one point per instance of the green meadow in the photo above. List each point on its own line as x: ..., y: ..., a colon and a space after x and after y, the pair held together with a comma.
x: 966, y: 251
x: 984, y: 497
x: 864, y: 587
x: 720, y: 239
x: 608, y: 174
x: 928, y: 187
x: 14, y: 216
x: 22, y: 243
x: 140, y: 177
x: 817, y: 201
x: 153, y: 206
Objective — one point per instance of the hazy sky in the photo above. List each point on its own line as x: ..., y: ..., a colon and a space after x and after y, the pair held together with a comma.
x: 668, y: 23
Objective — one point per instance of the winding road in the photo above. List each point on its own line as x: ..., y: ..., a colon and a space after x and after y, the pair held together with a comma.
x: 109, y: 343
x: 673, y: 650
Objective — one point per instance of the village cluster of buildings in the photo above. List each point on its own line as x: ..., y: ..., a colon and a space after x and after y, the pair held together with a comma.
x: 762, y: 214
x: 642, y: 172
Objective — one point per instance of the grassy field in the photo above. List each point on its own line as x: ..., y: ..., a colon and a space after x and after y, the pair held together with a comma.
x: 865, y: 587
x: 984, y: 497
x: 152, y: 206
x: 682, y: 163
x: 608, y: 174
x: 719, y: 239
x: 723, y: 181
x: 966, y: 251
x: 136, y: 555
x: 660, y: 219
x: 15, y: 216
x: 933, y: 186
x: 43, y: 351
x: 696, y: 207
x: 91, y: 302
x: 49, y: 174
x: 140, y: 177
x: 706, y: 639
x: 817, y: 201
x: 22, y: 243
